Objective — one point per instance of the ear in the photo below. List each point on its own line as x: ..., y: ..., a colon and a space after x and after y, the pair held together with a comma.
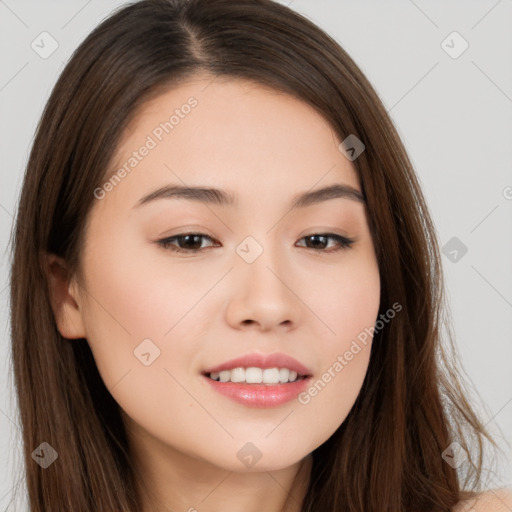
x: 64, y: 297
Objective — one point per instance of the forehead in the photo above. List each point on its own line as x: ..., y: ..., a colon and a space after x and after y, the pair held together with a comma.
x: 233, y: 133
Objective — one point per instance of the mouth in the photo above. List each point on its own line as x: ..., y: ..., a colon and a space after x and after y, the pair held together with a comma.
x: 255, y: 375
x: 259, y: 380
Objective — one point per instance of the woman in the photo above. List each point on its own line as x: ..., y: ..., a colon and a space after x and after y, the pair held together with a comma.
x: 289, y: 358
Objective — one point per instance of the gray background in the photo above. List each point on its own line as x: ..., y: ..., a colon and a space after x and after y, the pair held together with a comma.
x: 453, y: 114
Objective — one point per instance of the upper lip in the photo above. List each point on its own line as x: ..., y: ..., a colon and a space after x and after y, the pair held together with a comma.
x: 258, y: 360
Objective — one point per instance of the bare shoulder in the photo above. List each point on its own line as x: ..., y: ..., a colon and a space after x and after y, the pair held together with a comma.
x: 494, y: 500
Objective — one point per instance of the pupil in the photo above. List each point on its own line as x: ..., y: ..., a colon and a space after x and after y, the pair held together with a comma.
x: 315, y: 240
x: 195, y: 245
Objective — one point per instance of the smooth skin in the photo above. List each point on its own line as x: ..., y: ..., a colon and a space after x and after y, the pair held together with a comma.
x: 300, y: 296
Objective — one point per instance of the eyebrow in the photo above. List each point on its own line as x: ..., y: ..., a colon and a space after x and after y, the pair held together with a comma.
x: 220, y: 197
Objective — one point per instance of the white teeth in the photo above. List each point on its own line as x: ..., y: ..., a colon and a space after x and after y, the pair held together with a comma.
x: 284, y: 373
x: 271, y: 376
x: 255, y: 375
x: 237, y: 375
x: 224, y: 376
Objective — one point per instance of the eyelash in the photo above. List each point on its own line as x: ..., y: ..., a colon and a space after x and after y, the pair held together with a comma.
x: 344, y: 242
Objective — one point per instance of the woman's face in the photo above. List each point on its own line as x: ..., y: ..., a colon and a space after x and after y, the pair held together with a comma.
x: 273, y: 284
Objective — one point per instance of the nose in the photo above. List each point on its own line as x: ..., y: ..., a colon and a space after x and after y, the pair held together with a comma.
x: 264, y: 295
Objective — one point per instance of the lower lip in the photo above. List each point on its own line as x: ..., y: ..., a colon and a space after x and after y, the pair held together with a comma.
x: 260, y: 396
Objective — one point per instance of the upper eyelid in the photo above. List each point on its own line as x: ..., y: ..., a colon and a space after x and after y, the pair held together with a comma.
x: 206, y: 235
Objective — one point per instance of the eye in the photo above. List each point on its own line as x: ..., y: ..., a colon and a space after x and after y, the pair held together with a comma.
x: 193, y: 242
x: 319, y: 241
x: 186, y: 242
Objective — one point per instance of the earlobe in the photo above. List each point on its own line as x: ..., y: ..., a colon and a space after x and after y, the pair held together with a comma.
x: 63, y: 290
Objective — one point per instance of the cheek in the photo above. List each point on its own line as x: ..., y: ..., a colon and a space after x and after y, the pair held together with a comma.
x: 131, y: 312
x: 144, y: 333
x: 349, y: 307
x: 345, y: 299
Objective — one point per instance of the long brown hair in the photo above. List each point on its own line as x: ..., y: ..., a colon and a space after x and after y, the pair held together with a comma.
x: 387, y: 454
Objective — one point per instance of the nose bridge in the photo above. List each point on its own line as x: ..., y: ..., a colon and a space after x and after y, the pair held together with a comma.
x: 263, y: 293
x: 261, y: 262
